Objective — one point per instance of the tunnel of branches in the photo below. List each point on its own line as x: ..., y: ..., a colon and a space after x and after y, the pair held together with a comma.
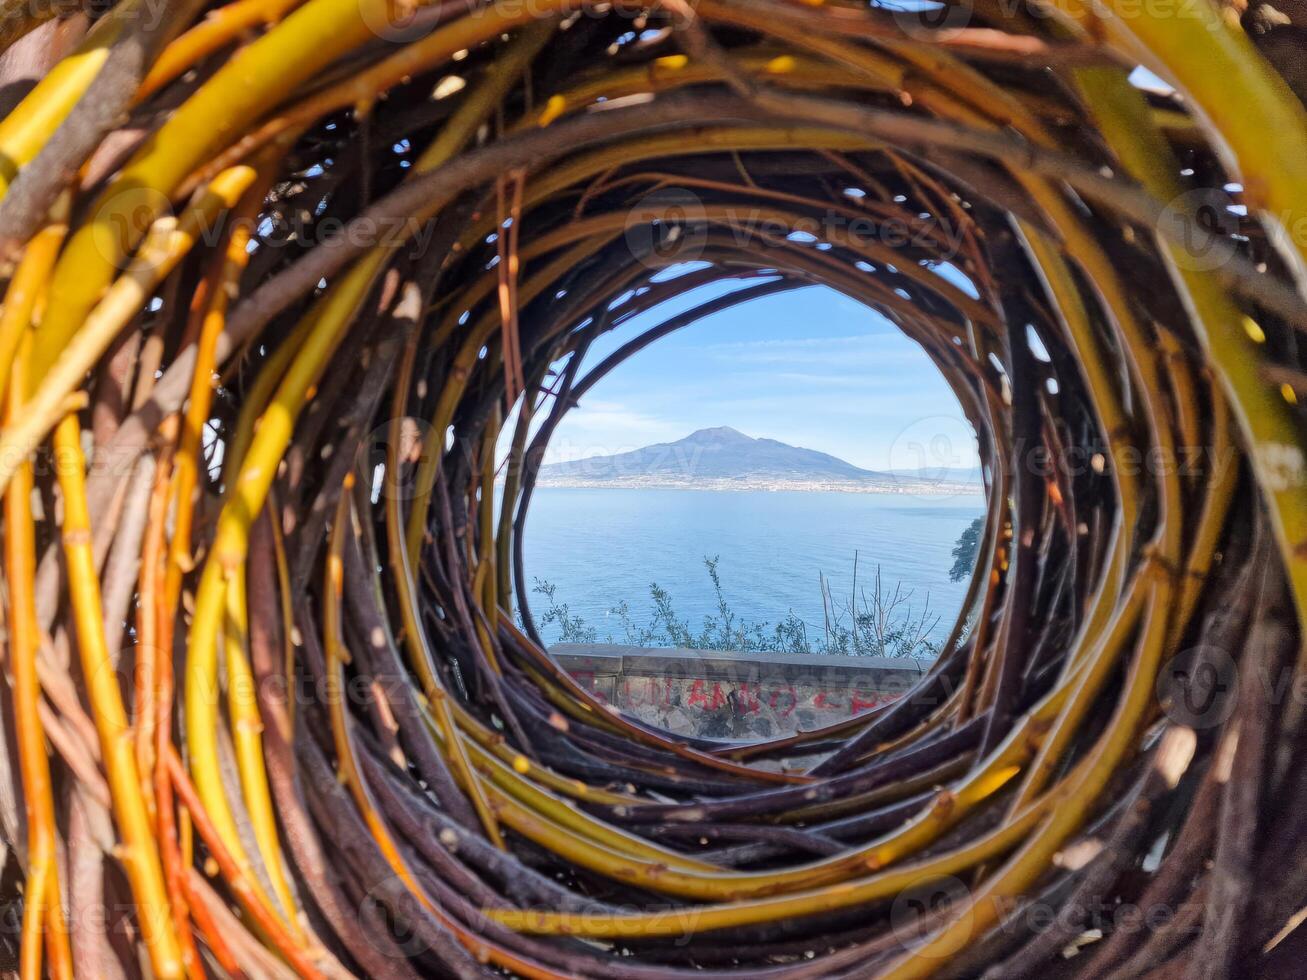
x: 280, y: 276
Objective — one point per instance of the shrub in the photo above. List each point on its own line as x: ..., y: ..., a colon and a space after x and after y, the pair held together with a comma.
x: 879, y: 623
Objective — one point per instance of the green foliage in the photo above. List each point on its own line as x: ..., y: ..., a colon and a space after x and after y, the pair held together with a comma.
x: 571, y: 629
x: 881, y: 623
x: 965, y: 551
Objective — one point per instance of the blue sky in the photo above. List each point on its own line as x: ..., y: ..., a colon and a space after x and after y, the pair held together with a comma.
x: 810, y: 367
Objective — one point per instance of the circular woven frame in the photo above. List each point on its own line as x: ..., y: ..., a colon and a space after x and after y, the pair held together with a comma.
x: 279, y: 274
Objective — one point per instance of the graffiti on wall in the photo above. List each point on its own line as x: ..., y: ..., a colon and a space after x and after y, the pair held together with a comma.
x: 742, y: 709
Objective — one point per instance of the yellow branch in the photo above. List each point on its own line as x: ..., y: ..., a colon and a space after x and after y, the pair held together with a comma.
x: 138, y: 852
x: 43, y: 915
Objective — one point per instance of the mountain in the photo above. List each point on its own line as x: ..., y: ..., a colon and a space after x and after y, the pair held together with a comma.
x: 723, y: 458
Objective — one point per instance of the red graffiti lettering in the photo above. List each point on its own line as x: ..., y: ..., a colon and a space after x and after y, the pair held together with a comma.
x: 709, y: 702
x: 746, y: 699
x: 859, y: 702
x: 826, y: 700
x: 783, y: 696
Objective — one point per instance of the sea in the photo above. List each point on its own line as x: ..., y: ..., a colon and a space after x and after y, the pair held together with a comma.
x: 599, y: 547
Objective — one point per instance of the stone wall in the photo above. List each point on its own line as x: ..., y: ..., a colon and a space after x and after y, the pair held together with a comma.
x: 736, y: 695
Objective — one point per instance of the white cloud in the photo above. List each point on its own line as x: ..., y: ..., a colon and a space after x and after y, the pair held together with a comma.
x: 885, y: 352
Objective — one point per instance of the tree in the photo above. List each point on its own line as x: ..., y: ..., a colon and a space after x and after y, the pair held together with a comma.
x: 964, y: 552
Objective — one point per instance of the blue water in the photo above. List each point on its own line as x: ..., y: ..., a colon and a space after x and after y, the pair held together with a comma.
x: 601, y: 547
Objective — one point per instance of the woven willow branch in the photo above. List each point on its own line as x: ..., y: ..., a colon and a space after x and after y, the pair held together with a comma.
x: 281, y: 276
